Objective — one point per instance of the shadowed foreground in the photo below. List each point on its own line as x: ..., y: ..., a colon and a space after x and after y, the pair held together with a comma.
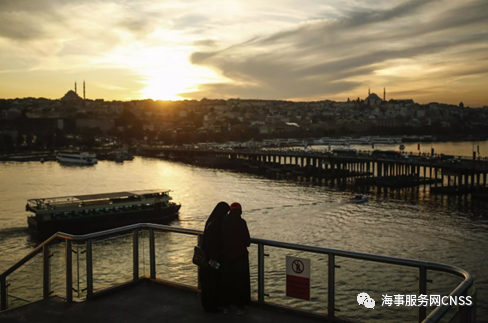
x: 144, y: 302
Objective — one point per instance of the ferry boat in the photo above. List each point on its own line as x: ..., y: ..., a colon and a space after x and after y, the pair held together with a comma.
x: 82, y: 214
x: 81, y: 158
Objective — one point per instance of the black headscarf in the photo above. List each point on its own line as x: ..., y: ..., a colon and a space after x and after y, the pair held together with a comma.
x: 218, y: 213
x: 212, y: 235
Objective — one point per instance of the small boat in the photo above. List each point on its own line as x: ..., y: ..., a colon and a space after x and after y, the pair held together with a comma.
x: 359, y: 198
x: 161, y: 155
x: 76, y: 157
x: 80, y: 214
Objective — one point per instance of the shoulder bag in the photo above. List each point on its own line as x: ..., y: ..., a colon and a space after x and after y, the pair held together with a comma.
x: 199, y: 258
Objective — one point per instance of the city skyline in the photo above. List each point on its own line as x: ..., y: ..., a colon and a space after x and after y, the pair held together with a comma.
x: 428, y: 51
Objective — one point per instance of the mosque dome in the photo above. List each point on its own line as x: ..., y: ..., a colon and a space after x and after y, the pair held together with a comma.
x: 71, y: 96
x: 373, y: 97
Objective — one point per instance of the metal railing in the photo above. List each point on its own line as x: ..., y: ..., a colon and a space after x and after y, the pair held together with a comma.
x: 466, y: 314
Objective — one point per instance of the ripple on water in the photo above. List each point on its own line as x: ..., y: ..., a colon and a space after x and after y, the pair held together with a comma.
x: 405, y: 223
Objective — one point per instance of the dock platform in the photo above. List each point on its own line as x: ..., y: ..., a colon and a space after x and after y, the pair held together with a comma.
x: 145, y: 301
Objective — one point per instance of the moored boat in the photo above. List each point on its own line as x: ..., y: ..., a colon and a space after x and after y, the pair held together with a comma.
x: 76, y: 157
x: 82, y: 214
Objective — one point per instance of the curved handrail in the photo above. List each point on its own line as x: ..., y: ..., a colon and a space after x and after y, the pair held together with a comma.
x: 95, y: 235
x: 29, y: 256
x: 434, y: 316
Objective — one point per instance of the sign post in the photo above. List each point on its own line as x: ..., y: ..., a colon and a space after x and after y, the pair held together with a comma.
x: 298, y: 278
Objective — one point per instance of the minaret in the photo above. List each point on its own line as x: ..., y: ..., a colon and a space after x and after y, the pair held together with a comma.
x: 83, y: 89
x: 384, y: 94
x: 75, y: 88
x: 369, y: 92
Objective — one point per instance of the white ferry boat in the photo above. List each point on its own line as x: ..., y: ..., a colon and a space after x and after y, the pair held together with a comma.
x: 80, y: 214
x: 80, y: 158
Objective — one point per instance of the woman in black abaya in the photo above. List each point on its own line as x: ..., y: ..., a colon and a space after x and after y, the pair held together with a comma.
x: 211, y: 277
x: 236, y: 239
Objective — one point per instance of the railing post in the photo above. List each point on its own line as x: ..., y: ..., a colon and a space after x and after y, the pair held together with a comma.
x: 422, y: 291
x: 152, y: 254
x: 199, y: 243
x: 261, y: 274
x: 46, y: 272
x: 135, y: 254
x: 89, y: 269
x: 467, y: 314
x: 331, y: 287
x: 3, y: 293
x: 69, y: 272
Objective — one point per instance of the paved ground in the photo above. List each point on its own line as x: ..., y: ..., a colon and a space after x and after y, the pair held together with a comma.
x: 144, y: 302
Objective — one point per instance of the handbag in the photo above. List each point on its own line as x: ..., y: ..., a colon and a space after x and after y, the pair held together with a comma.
x: 199, y: 257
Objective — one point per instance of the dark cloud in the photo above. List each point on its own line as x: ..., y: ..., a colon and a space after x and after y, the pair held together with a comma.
x: 139, y: 20
x: 201, y: 57
x: 140, y: 26
x: 52, y: 19
x: 362, y: 18
x: 14, y: 27
x: 30, y: 5
x: 323, y: 56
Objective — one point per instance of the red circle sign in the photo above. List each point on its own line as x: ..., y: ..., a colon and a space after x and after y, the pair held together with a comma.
x: 297, y: 266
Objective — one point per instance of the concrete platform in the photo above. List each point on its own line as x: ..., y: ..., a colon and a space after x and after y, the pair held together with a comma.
x: 145, y: 301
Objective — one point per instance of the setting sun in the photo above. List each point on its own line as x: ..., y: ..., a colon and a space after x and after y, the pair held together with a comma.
x: 168, y: 74
x: 165, y: 86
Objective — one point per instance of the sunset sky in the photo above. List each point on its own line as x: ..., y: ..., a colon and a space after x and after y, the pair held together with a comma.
x: 307, y: 50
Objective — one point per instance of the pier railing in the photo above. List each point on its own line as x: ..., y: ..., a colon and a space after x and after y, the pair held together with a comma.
x: 87, y: 266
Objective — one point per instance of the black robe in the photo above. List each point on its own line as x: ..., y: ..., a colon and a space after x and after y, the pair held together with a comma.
x: 211, y: 278
x: 236, y: 239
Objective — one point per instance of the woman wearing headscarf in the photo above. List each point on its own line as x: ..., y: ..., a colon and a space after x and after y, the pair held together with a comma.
x: 236, y: 239
x: 211, y: 275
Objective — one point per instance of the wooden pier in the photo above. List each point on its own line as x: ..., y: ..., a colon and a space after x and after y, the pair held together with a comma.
x: 363, y: 168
